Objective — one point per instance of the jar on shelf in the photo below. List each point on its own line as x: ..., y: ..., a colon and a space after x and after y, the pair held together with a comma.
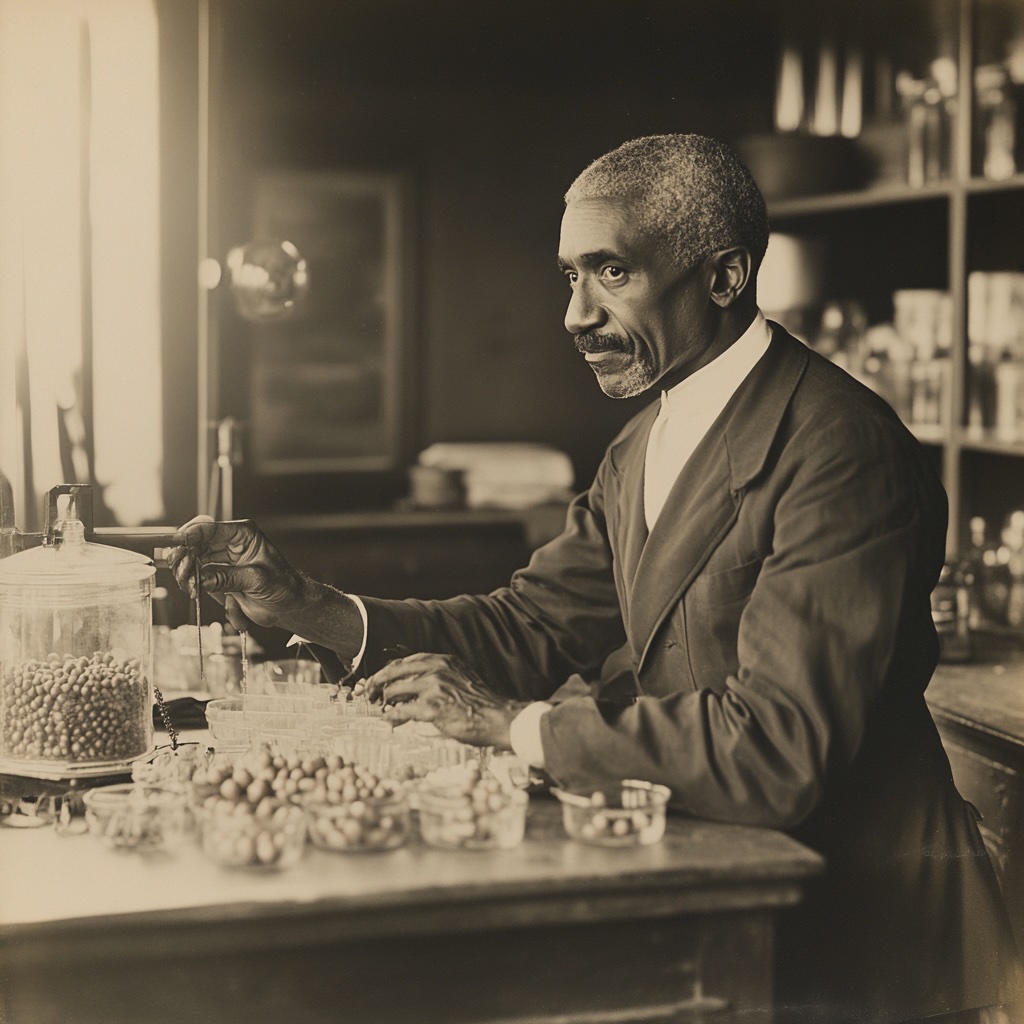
x: 951, y: 612
x: 1009, y: 398
x: 997, y: 121
x: 1013, y: 539
x: 75, y: 657
x: 988, y: 561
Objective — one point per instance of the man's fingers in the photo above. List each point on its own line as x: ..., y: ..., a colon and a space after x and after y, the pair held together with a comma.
x: 182, y: 564
x: 236, y: 616
x: 196, y: 531
x: 410, y: 711
x: 401, y: 668
x: 219, y: 578
x: 399, y: 691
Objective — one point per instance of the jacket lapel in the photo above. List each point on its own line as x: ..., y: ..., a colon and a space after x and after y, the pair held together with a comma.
x: 628, y: 457
x: 705, y: 499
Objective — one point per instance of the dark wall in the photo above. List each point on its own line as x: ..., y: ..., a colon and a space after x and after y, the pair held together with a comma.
x: 493, y: 109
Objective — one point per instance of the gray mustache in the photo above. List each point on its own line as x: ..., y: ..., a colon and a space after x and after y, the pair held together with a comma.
x: 591, y: 341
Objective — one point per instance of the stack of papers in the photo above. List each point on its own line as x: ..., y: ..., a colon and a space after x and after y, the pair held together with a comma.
x: 505, y: 474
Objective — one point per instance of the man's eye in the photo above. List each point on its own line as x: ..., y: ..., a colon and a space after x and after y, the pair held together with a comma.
x: 571, y: 276
x: 613, y: 273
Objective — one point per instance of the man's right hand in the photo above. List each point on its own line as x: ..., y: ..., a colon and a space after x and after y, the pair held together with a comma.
x: 239, y: 567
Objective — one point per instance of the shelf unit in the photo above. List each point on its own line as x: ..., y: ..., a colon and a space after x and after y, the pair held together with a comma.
x: 975, y: 483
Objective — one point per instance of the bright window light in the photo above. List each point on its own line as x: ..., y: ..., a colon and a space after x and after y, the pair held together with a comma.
x: 79, y: 251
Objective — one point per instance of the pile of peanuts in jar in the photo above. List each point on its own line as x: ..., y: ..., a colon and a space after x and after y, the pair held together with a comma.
x: 466, y: 807
x: 77, y: 709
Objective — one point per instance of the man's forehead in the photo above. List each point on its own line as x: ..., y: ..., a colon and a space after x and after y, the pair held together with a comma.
x: 596, y: 225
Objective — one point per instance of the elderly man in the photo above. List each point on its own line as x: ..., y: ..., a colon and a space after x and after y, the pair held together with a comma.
x: 754, y: 557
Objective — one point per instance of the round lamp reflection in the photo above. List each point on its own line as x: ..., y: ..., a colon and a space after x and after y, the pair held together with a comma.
x: 269, y: 279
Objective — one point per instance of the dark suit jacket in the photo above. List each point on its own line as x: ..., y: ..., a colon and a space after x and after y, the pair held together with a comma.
x: 777, y: 626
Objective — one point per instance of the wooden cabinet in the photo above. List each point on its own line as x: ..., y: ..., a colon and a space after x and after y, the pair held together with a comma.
x: 417, y: 553
x: 979, y: 710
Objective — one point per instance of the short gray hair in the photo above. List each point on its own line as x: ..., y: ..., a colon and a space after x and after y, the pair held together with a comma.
x: 692, y: 192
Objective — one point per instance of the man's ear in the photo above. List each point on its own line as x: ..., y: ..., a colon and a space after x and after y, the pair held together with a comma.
x: 733, y: 272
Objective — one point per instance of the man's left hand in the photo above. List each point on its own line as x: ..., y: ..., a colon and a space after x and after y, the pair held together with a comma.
x: 438, y: 688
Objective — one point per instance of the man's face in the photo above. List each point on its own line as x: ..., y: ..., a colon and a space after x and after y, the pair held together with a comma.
x: 638, y: 319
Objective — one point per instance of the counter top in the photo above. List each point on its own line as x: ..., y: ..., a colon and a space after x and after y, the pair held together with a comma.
x: 987, y: 694
x: 416, y: 935
x: 53, y: 881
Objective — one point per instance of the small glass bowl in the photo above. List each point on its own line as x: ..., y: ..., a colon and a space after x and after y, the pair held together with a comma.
x: 288, y: 721
x: 376, y: 823
x: 630, y: 815
x: 477, y: 814
x: 368, y: 742
x: 354, y: 704
x: 137, y: 816
x: 235, y: 835
x: 174, y: 765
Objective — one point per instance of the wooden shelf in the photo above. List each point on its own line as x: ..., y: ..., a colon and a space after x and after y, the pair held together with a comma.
x: 885, y: 195
x: 929, y: 433
x: 888, y: 195
x: 539, y: 522
x: 986, y: 185
x: 980, y: 440
x: 962, y: 211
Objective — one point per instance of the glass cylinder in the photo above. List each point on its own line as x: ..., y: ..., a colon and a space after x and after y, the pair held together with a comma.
x: 75, y: 657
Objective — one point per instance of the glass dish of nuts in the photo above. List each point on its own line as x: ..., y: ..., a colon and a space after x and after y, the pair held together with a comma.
x: 147, y: 818
x: 238, y: 835
x: 632, y: 814
x: 465, y: 807
x: 377, y: 819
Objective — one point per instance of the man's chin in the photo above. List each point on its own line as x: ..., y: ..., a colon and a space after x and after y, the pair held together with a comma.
x: 623, y: 385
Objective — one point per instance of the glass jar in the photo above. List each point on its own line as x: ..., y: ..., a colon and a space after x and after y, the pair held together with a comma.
x: 951, y: 612
x: 75, y: 657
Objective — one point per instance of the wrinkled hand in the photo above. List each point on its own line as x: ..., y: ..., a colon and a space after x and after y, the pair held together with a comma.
x: 438, y: 688
x: 238, y: 567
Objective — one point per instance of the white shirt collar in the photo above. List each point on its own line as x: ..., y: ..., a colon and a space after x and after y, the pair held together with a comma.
x: 722, y: 376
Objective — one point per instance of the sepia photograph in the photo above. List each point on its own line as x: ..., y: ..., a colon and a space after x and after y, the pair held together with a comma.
x: 512, y: 512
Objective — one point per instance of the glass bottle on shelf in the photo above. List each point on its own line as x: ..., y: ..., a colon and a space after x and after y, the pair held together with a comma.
x: 981, y: 386
x: 1009, y: 386
x: 997, y: 117
x: 840, y: 336
x: 915, y: 113
x: 936, y: 133
x: 990, y: 583
x: 951, y: 612
x: 1013, y: 538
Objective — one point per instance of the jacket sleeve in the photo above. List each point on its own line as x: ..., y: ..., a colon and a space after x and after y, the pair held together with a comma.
x: 558, y: 616
x: 855, y: 552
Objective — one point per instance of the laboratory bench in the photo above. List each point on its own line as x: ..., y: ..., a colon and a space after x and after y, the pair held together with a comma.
x: 978, y: 707
x: 549, y: 932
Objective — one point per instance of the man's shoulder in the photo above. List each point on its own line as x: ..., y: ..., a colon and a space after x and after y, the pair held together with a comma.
x: 831, y: 392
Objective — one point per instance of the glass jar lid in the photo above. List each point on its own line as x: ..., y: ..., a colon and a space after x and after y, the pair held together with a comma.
x: 74, y: 562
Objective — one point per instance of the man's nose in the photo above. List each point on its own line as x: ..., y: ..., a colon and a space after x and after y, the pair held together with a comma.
x: 583, y: 314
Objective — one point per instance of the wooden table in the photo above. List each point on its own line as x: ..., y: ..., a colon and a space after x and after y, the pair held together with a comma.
x: 552, y: 932
x: 979, y: 710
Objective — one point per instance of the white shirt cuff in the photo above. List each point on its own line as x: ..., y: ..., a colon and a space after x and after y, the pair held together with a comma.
x: 358, y: 602
x: 524, y: 733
